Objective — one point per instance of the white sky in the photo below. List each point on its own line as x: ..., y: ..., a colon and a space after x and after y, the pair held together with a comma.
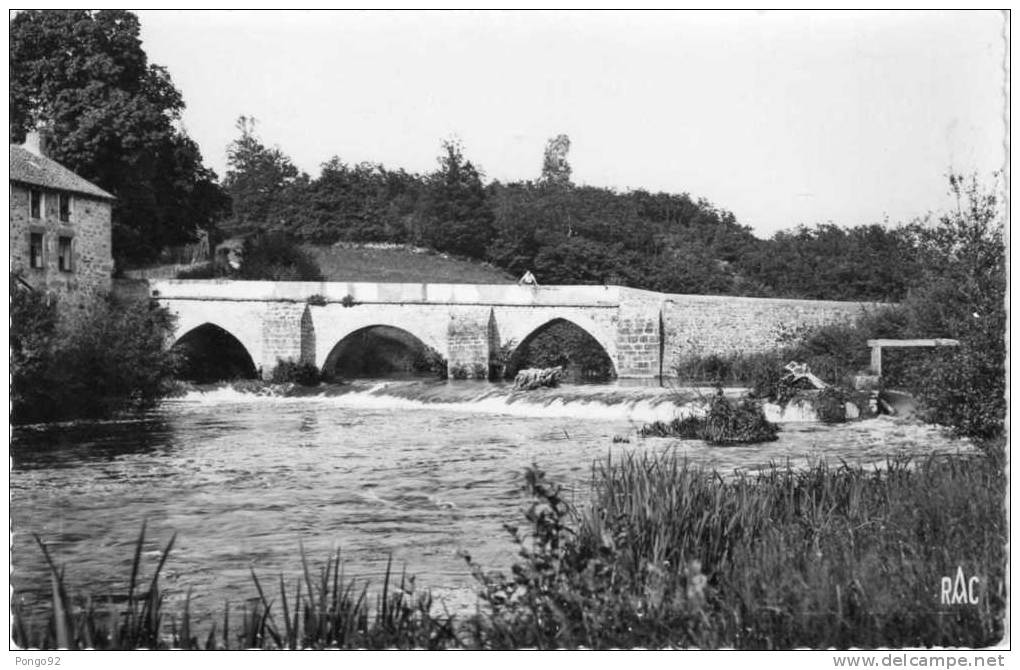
x: 781, y: 118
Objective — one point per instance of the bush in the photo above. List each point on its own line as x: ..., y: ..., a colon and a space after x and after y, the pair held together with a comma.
x: 830, y: 405
x: 275, y: 257
x: 111, y: 355
x: 430, y: 360
x: 267, y: 256
x: 288, y: 371
x: 727, y: 422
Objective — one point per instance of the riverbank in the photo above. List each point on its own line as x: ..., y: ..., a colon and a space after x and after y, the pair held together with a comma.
x: 662, y: 554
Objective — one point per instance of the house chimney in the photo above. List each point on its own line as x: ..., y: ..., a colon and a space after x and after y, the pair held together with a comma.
x: 37, y: 141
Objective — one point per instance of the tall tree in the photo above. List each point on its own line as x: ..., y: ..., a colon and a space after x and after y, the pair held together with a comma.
x: 258, y: 178
x: 457, y: 216
x: 113, y: 118
x: 555, y: 168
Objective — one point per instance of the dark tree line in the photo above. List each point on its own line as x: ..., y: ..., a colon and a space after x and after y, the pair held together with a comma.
x: 561, y: 232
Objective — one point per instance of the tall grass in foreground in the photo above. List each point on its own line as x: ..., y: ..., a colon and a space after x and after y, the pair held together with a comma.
x: 670, y: 555
x: 665, y: 554
x: 321, y: 611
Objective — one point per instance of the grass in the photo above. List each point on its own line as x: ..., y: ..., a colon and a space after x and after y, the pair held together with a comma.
x: 664, y: 554
x: 402, y: 265
x: 670, y: 555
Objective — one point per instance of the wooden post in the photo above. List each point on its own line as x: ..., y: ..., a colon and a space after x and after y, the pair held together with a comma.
x: 876, y: 359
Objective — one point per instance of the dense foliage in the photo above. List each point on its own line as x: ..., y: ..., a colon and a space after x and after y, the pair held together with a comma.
x: 962, y: 294
x: 561, y: 232
x: 110, y: 356
x: 84, y: 75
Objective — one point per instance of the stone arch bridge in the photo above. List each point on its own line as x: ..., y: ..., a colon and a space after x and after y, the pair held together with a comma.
x: 643, y: 333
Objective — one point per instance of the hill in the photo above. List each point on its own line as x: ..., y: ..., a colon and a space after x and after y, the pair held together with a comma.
x: 393, y: 263
x: 402, y: 264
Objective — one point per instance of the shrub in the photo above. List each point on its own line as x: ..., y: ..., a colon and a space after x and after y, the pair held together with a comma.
x: 275, y: 257
x: 111, y: 355
x: 348, y: 301
x: 317, y: 300
x: 830, y: 405
x: 430, y: 360
x: 32, y: 341
x: 727, y: 422
x: 288, y: 371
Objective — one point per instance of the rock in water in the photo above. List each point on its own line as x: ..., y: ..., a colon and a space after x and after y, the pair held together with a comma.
x: 533, y: 378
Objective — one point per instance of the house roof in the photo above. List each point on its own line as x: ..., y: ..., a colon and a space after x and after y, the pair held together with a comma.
x: 30, y: 168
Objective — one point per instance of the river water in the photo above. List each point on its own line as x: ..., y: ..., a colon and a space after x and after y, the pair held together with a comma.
x: 415, y: 471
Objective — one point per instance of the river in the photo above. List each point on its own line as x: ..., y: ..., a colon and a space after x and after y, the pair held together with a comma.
x: 416, y: 471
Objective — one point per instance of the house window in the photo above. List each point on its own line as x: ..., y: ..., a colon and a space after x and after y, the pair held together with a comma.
x: 64, y: 205
x: 35, y: 250
x: 64, y: 254
x: 35, y: 203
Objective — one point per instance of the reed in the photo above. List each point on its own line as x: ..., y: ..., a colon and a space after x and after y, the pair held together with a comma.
x: 326, y: 611
x: 667, y: 554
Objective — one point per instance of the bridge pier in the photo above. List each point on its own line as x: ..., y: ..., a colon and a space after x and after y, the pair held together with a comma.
x: 288, y: 334
x: 468, y: 339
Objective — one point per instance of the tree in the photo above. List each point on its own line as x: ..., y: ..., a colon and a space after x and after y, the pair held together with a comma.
x: 258, y: 178
x: 961, y: 294
x: 457, y: 216
x: 555, y: 168
x: 113, y: 117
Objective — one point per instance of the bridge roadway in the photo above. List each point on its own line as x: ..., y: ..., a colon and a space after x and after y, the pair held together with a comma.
x: 644, y: 333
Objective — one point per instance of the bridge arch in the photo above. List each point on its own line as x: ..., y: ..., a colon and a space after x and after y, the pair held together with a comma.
x: 565, y: 340
x: 212, y: 353
x: 380, y: 350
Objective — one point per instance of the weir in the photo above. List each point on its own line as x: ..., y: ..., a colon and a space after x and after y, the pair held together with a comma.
x: 644, y: 334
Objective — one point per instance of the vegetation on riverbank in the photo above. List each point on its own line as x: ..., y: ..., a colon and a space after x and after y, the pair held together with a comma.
x: 665, y: 554
x: 668, y: 554
x: 109, y: 356
x: 958, y: 292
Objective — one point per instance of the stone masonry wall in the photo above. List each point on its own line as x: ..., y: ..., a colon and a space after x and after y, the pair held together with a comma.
x: 91, y: 250
x: 702, y: 325
x: 638, y: 335
x: 282, y: 330
x: 468, y: 342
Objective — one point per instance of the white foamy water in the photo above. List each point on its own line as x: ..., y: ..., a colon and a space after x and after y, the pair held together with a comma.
x: 414, y: 471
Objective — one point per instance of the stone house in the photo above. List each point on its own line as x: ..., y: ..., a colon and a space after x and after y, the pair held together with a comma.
x: 60, y: 224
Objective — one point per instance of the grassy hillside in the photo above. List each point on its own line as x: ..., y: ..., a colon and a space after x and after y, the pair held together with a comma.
x: 397, y: 264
